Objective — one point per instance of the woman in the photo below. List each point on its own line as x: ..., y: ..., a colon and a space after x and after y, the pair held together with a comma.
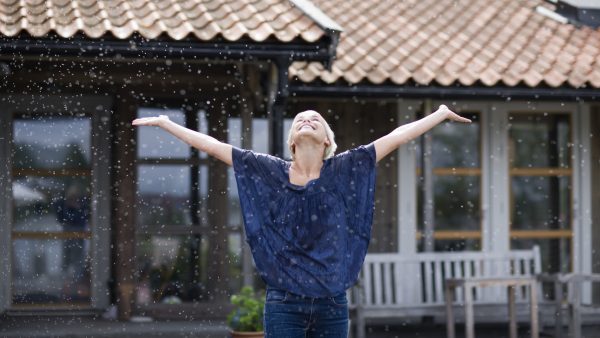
x: 307, y: 221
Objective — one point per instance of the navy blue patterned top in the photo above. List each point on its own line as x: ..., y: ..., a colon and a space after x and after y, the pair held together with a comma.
x: 309, y: 240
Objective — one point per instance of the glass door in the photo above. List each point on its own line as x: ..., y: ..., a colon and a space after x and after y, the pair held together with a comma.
x: 51, y: 227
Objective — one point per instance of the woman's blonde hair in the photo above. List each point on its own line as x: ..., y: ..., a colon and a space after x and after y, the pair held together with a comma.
x: 329, y: 150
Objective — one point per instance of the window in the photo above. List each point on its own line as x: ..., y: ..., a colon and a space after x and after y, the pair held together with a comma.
x: 449, y: 187
x: 540, y: 150
x: 172, y: 246
x: 51, y: 225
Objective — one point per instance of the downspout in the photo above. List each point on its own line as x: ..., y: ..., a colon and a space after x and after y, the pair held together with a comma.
x: 278, y: 95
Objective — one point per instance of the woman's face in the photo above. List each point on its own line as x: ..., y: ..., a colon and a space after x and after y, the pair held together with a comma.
x: 309, y: 124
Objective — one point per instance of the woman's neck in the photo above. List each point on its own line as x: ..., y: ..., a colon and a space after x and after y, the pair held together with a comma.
x: 308, y: 160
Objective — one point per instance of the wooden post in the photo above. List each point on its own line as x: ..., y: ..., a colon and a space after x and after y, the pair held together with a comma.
x: 218, y: 204
x: 533, y: 294
x: 124, y: 173
x: 248, y: 107
x: 278, y: 93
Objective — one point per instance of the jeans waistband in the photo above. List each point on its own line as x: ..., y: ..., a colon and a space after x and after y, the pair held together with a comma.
x: 298, y: 296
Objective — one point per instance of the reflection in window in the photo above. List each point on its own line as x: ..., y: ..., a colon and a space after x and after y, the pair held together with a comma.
x: 51, y: 197
x: 155, y: 142
x: 52, y: 142
x: 456, y: 202
x: 163, y: 195
x: 539, y: 141
x: 173, y: 188
x: 167, y: 270
x: 51, y: 271
x: 541, y: 202
x: 540, y: 190
x: 51, y: 204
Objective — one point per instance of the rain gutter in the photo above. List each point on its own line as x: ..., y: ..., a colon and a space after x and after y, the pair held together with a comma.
x: 474, y: 93
x: 222, y: 50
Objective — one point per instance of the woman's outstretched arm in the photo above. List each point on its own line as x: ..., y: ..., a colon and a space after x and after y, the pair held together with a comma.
x: 410, y: 131
x: 202, y: 142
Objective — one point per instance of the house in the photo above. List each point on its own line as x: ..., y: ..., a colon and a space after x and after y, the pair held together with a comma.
x: 95, y: 212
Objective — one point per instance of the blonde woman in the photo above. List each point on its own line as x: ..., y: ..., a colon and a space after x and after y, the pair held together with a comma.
x: 308, y: 220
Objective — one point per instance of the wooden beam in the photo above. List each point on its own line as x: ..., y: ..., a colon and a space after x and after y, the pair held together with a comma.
x: 124, y: 188
x: 51, y: 235
x: 217, y: 270
x: 445, y: 235
x: 541, y: 172
x: 541, y: 234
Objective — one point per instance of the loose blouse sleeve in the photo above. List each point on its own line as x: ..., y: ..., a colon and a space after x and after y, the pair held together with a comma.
x: 357, y: 167
x: 256, y: 175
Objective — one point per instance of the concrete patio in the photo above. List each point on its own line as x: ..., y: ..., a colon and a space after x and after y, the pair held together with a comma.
x: 90, y: 326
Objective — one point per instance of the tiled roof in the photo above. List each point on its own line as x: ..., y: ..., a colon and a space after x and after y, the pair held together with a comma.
x: 232, y: 20
x: 446, y: 42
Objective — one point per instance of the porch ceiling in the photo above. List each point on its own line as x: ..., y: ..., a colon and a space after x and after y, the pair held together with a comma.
x: 448, y: 43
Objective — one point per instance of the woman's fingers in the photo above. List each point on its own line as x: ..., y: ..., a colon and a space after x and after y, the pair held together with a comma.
x: 149, y: 121
x: 458, y: 118
x: 452, y: 115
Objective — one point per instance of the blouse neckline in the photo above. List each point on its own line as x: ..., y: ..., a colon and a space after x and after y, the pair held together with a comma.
x: 286, y: 170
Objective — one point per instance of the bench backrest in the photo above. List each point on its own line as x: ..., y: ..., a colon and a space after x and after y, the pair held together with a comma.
x: 398, y: 280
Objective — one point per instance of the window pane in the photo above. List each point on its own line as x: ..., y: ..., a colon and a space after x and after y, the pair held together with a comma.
x: 539, y: 140
x: 456, y: 145
x: 260, y: 135
x: 541, y: 202
x: 202, y: 123
x: 163, y: 195
x: 51, y: 142
x: 234, y: 135
x: 235, y: 261
x: 556, y: 253
x: 50, y: 271
x: 453, y: 245
x: 457, y: 202
x: 171, y: 269
x: 287, y: 124
x: 154, y: 142
x: 51, y: 203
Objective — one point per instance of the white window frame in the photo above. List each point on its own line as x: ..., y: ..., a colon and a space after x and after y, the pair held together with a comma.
x: 495, y: 176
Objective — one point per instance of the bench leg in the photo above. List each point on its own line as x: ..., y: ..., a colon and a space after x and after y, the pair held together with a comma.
x: 512, y: 316
x: 558, y: 296
x: 360, y: 324
x: 469, y: 315
x: 575, y: 321
x: 533, y: 303
x: 449, y: 314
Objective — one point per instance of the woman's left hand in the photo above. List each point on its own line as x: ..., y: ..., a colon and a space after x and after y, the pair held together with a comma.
x: 450, y: 115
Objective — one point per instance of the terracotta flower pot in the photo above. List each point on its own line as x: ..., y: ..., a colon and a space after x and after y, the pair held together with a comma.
x: 236, y: 334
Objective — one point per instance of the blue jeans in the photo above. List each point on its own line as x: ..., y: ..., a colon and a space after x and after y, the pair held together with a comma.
x: 291, y: 316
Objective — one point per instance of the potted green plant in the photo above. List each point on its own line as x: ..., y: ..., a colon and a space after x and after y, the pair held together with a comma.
x: 246, y: 319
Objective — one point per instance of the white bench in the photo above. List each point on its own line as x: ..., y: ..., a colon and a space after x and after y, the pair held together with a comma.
x: 394, y: 285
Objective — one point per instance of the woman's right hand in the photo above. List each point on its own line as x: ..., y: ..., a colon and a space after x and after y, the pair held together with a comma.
x: 151, y: 121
